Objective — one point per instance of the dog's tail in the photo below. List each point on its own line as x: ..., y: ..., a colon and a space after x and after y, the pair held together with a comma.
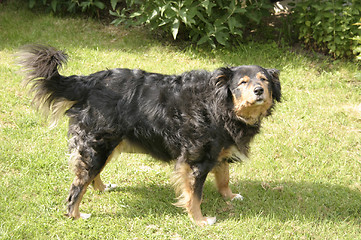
x: 53, y: 93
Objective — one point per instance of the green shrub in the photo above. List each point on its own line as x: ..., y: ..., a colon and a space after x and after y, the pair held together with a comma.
x: 69, y: 5
x: 204, y: 22
x: 357, y: 39
x: 328, y: 26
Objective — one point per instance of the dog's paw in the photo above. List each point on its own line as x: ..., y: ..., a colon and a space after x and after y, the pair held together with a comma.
x: 211, y: 220
x: 110, y: 187
x: 237, y: 197
x: 206, y: 221
x: 85, y: 215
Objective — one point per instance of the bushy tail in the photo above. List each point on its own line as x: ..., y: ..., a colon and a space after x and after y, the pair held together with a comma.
x: 41, y: 64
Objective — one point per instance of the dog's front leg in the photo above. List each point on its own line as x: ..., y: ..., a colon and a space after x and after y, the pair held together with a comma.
x: 189, y: 181
x: 221, y: 173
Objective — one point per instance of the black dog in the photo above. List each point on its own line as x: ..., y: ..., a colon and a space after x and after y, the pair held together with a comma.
x: 202, y: 120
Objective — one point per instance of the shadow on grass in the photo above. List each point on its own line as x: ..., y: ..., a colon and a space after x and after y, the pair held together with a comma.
x: 281, y: 200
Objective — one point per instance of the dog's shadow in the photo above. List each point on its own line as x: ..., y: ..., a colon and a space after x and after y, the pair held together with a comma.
x: 282, y: 200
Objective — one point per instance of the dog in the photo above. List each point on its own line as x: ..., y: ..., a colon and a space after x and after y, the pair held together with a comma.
x: 199, y: 119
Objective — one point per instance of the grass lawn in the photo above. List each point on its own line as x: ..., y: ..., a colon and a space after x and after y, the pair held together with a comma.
x: 303, y: 180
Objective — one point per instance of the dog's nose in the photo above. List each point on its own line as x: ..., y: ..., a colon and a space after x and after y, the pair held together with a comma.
x: 258, y: 91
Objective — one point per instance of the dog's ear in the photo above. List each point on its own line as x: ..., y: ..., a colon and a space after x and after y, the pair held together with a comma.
x: 276, y: 84
x: 221, y: 77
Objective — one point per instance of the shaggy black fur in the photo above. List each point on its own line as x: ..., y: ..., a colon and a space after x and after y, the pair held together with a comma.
x: 189, y: 118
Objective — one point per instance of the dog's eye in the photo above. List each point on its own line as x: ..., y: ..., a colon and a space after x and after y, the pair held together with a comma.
x: 242, y: 83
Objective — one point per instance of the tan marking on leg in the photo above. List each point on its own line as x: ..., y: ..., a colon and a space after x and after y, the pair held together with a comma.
x: 194, y: 210
x: 98, y: 184
x: 74, y: 211
x: 82, y: 179
x: 184, y: 181
x: 221, y: 174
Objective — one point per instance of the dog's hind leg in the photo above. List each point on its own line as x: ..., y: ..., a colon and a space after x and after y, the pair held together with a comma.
x: 97, y: 182
x: 89, y: 160
x: 100, y: 186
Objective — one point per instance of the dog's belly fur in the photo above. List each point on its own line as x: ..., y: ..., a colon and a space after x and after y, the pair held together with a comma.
x: 230, y: 154
x: 127, y: 147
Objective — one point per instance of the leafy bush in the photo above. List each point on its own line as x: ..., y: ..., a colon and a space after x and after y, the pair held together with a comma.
x: 328, y: 25
x: 210, y: 21
x: 357, y: 39
x: 69, y: 5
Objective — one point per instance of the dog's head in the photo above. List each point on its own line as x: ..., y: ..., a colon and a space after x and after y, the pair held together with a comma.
x: 253, y: 90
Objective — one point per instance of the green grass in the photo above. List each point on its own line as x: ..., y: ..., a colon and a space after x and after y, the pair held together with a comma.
x: 303, y: 180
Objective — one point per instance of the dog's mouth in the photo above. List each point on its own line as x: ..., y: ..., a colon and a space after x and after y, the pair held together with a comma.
x: 259, y: 101
x: 253, y: 103
x: 253, y: 111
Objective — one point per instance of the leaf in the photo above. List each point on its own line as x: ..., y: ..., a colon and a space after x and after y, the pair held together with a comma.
x: 175, y: 28
x: 164, y: 8
x: 188, y: 2
x: 154, y: 14
x: 99, y: 4
x: 32, y: 3
x: 53, y: 5
x: 117, y: 21
x: 170, y: 13
x: 221, y: 37
x: 203, y: 40
x: 231, y: 8
x: 71, y: 7
x: 113, y: 3
x: 219, y: 25
x: 327, y: 38
x: 201, y: 17
x: 183, y: 15
x: 208, y: 6
x: 233, y: 24
x: 187, y: 17
x: 164, y: 22
x: 114, y: 13
x: 240, y: 10
x: 84, y: 6
x: 135, y: 14
x: 205, y: 4
x: 254, y: 17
